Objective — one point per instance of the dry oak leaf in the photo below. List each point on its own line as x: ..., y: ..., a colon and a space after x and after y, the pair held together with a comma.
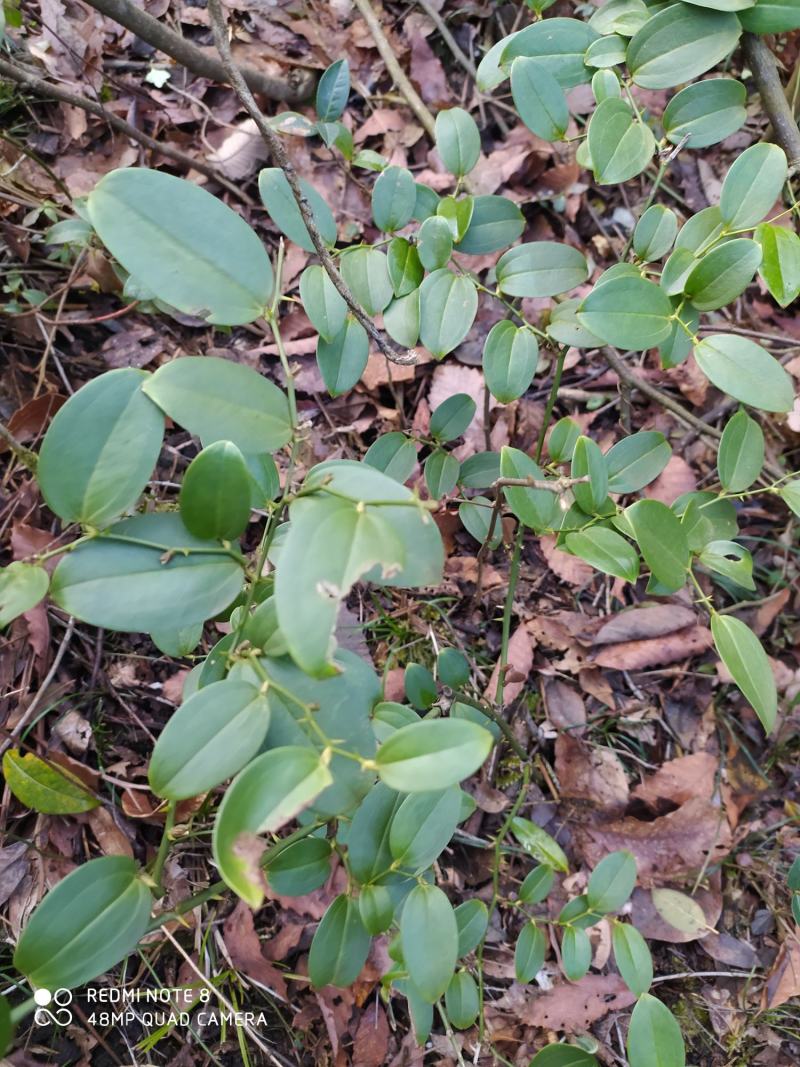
x: 679, y: 780
x: 570, y: 569
x: 594, y: 775
x: 371, y: 1043
x: 675, y: 479
x: 671, y: 648
x: 565, y: 707
x: 666, y: 849
x: 783, y: 982
x: 572, y: 1008
x: 639, y: 624
x: 244, y: 949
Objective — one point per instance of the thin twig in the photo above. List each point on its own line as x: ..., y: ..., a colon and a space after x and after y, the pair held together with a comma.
x: 447, y: 37
x: 773, y: 98
x: 24, y: 455
x: 281, y: 159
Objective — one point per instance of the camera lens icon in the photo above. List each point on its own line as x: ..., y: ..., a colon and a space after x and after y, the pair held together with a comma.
x: 58, y: 1013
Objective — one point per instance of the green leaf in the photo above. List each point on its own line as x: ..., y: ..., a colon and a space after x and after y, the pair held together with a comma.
x: 611, y: 882
x: 405, y: 269
x: 577, y: 913
x: 215, y: 493
x: 458, y: 140
x: 189, y: 249
x: 790, y: 493
x: 606, y: 551
x: 744, y: 656
x: 6, y: 1026
x: 705, y: 517
x: 723, y: 274
x: 452, y: 417
x: 706, y: 112
x: 654, y: 1037
x: 434, y: 243
x: 679, y: 43
x: 44, y: 787
x: 441, y: 473
x: 533, y: 507
x: 620, y: 16
x: 366, y: 273
x: 394, y: 454
x: 368, y: 841
x: 745, y: 371
x: 321, y: 301
x: 605, y: 86
x: 561, y: 442
x: 529, y: 952
x: 588, y: 461
x: 780, y: 262
x: 576, y: 953
x: 741, y: 453
x: 752, y: 185
x: 607, y: 52
x: 539, y: 99
x: 420, y: 686
x: 462, y: 1000
x: 620, y: 145
x: 270, y: 791
x: 730, y: 560
x: 210, y: 738
x: 452, y: 667
x: 423, y: 826
x: 448, y: 305
x: 457, y: 214
x: 655, y: 233
x: 662, y: 541
x: 222, y: 401
x: 627, y: 312
x: 340, y: 946
x: 427, y: 202
x: 480, y: 470
x: 537, y: 884
x: 277, y: 197
x: 429, y: 937
x: 541, y: 268
x: 300, y: 868
x: 84, y: 926
x: 443, y: 751
x: 635, y: 461
x: 343, y: 359
x: 333, y: 89
x: 563, y: 1055
x: 490, y: 71
x: 394, y: 196
x: 539, y: 844
x: 476, y: 515
x: 793, y: 877
x: 22, y: 586
x: 496, y: 223
x: 401, y: 319
x: 632, y: 957
x: 472, y: 918
x: 100, y: 449
x: 376, y: 907
x: 680, y: 910
x: 158, y: 578
x: 559, y: 44
x: 771, y: 16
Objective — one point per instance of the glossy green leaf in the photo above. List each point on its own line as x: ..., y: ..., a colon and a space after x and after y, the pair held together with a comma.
x: 429, y: 936
x: 793, y: 877
x: 620, y: 16
x: 452, y: 667
x: 388, y: 717
x: 186, y: 246
x: 441, y: 473
x: 457, y: 213
x: 730, y: 560
x: 270, y: 791
x: 366, y: 272
x: 452, y: 417
x: 210, y: 738
x: 561, y: 442
x: 376, y: 908
x: 654, y: 1037
x: 401, y: 319
x: 606, y: 551
x: 458, y: 140
x: 159, y: 577
x: 340, y: 946
x: 745, y: 371
x: 222, y: 401
x: 472, y: 918
x: 100, y: 449
x: 22, y: 586
x: 741, y: 453
x: 321, y: 301
x: 394, y: 454
x: 771, y: 16
x: 790, y: 493
x: 559, y: 44
x: 744, y: 656
x: 723, y: 274
x: 662, y: 541
x: 277, y: 197
x: 368, y: 841
x: 589, y: 462
x: 619, y: 143
x: 539, y: 844
x: 462, y: 1000
x: 529, y: 952
x: 405, y: 270
x: 655, y: 233
x: 422, y: 827
x: 679, y: 43
x: 705, y: 517
x: 301, y: 867
x: 607, y: 52
x: 480, y: 470
x: 394, y: 197
x: 443, y: 751
x: 343, y: 359
x: 496, y: 223
x: 752, y: 185
x: 578, y: 913
x: 86, y: 925
x: 44, y: 787
x: 476, y: 515
x: 628, y: 312
x: 576, y: 953
x: 611, y: 882
x: 491, y: 72
x: 420, y: 686
x: 632, y: 957
x: 332, y: 91
x: 215, y: 493
x: 706, y: 112
x: 541, y: 268
x: 563, y: 1055
x: 537, y: 884
x: 635, y: 461
x: 434, y: 243
x: 427, y: 202
x: 533, y: 507
x: 539, y: 99
x: 447, y: 309
x: 605, y: 86
x: 780, y: 262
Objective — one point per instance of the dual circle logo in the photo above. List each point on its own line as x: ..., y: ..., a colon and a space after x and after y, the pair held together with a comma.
x: 53, y: 1007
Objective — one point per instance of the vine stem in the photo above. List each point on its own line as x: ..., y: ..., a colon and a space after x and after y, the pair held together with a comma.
x: 762, y: 63
x: 163, y: 850
x: 27, y: 458
x: 281, y: 160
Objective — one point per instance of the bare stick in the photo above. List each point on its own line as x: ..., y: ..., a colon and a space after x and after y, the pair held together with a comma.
x: 234, y: 78
x: 447, y: 37
x: 24, y: 455
x: 773, y: 98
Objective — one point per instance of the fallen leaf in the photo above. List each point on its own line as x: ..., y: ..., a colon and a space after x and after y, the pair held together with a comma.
x: 572, y: 1008
x: 568, y: 568
x: 372, y: 1038
x: 671, y: 648
x: 565, y: 707
x: 650, y: 924
x: 638, y: 624
x: 244, y: 949
x: 679, y: 780
x: 675, y: 479
x: 520, y: 661
x: 783, y: 981
x: 594, y: 775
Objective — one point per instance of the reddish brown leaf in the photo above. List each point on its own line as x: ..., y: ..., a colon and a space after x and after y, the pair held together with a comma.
x: 783, y: 982
x: 594, y: 775
x: 671, y: 648
x: 372, y: 1038
x: 638, y: 624
x: 520, y: 661
x: 244, y: 949
x: 679, y: 780
x: 572, y: 1008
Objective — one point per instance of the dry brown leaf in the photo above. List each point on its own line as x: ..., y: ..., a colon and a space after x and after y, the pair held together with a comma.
x: 672, y: 648
x: 651, y: 924
x: 573, y: 1007
x: 639, y: 624
x: 570, y: 569
x: 594, y: 775
x: 679, y: 780
x: 730, y: 950
x: 565, y: 707
x: 520, y: 661
x: 783, y: 982
x: 675, y: 479
x: 372, y: 1038
x: 109, y: 836
x: 244, y: 949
